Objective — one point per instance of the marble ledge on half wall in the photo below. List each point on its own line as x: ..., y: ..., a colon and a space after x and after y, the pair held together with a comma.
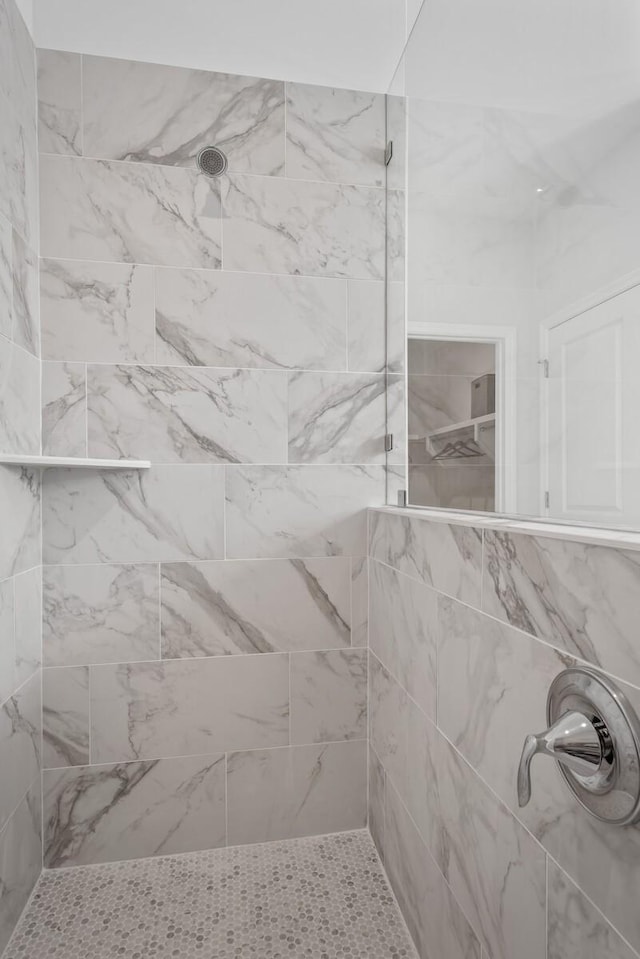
x: 592, y: 535
x: 77, y: 462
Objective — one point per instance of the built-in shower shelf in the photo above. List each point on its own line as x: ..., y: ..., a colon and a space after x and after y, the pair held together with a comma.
x: 74, y: 462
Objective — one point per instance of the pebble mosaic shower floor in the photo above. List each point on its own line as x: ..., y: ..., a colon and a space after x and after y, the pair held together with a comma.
x: 324, y: 897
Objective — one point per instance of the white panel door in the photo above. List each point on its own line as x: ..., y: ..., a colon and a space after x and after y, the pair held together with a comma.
x: 594, y: 414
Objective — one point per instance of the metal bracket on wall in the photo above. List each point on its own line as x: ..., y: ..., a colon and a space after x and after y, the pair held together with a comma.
x: 388, y: 442
x: 388, y: 153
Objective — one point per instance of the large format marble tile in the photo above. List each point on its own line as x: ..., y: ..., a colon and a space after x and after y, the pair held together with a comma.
x: 495, y: 869
x: 28, y: 623
x: 210, y: 318
x: 493, y: 683
x: 583, y: 599
x: 20, y: 519
x: 577, y: 930
x: 65, y: 716
x: 19, y: 400
x: 7, y: 641
x: 6, y: 278
x: 100, y: 614
x: 376, y: 801
x: 163, y: 114
x: 359, y: 601
x: 26, y: 313
x: 59, y: 102
x: 300, y: 510
x: 436, y: 922
x: 20, y: 858
x: 297, y: 791
x: 292, y: 226
x: 172, y: 415
x: 20, y: 733
x: 216, y: 609
x: 18, y: 131
x: 130, y: 810
x: 168, y: 514
x: 366, y: 325
x: 444, y: 556
x: 492, y: 687
x: 334, y: 134
x: 128, y: 212
x: 64, y: 409
x: 336, y: 418
x: 403, y: 632
x: 96, y: 312
x: 177, y: 707
x: 328, y: 696
x: 389, y: 722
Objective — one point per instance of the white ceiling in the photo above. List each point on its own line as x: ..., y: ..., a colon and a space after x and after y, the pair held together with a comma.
x: 344, y: 43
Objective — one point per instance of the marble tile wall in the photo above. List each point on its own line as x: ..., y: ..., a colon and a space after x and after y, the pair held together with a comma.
x: 20, y: 547
x: 205, y: 622
x: 468, y: 627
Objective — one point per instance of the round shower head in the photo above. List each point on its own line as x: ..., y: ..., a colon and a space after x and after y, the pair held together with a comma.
x: 212, y: 161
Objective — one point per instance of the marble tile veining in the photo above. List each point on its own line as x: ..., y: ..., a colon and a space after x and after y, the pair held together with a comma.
x: 296, y: 791
x: 100, y: 614
x: 110, y: 812
x: 295, y: 511
x: 20, y: 519
x: 295, y: 226
x: 210, y: 318
x: 581, y: 598
x: 449, y: 558
x: 441, y: 929
x: 216, y: 609
x: 189, y: 706
x: 19, y: 402
x: 329, y: 695
x: 172, y: 415
x: 321, y: 896
x: 65, y: 716
x: 20, y: 859
x: 168, y: 514
x: 20, y: 729
x: 27, y: 588
x: 336, y: 135
x: 96, y: 312
x: 59, y: 102
x: 577, y: 930
x: 128, y: 213
x: 403, y: 631
x: 64, y: 409
x: 336, y: 418
x: 172, y: 112
x: 26, y: 322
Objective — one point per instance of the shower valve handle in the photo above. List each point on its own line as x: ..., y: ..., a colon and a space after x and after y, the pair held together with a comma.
x: 572, y: 740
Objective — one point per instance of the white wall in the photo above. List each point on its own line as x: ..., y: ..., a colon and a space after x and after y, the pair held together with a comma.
x: 346, y: 43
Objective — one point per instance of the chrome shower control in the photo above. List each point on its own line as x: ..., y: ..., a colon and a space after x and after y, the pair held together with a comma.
x: 594, y: 735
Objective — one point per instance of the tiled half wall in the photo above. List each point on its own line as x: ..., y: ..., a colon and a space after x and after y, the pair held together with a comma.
x: 204, y: 638
x: 468, y: 627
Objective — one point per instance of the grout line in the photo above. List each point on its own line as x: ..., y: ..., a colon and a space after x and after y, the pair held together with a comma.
x: 506, y: 625
x: 174, y: 757
x: 336, y: 278
x: 192, y: 172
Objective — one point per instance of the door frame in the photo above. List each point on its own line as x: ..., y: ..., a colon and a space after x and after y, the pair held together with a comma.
x: 570, y: 311
x: 504, y: 338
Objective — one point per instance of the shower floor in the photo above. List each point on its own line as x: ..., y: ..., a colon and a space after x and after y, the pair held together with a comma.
x: 325, y: 897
